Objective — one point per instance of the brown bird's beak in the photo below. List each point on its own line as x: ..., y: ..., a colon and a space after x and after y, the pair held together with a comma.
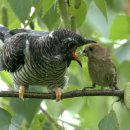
x: 76, y: 57
x: 85, y: 52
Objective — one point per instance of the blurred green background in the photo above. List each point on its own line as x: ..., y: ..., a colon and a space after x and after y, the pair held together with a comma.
x: 106, y: 21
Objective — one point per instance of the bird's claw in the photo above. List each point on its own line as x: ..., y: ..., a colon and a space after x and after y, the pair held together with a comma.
x: 21, y: 92
x: 85, y: 88
x: 58, y: 93
x: 92, y: 87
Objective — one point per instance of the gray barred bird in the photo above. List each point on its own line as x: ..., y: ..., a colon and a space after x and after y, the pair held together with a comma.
x: 39, y: 58
x: 100, y: 66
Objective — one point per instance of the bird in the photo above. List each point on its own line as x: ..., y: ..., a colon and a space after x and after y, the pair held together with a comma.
x: 101, y: 68
x: 35, y: 57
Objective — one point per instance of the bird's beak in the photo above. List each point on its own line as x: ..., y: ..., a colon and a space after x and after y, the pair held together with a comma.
x: 76, y: 57
x: 87, y: 41
x: 85, y: 52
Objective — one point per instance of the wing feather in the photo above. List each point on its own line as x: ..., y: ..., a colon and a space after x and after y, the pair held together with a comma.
x: 12, y: 55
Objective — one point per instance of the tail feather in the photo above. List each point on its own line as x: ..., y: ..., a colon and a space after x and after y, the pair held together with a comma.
x: 3, y: 32
x: 1, y: 68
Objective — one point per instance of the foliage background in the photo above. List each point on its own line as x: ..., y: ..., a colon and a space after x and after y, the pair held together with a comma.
x: 106, y: 21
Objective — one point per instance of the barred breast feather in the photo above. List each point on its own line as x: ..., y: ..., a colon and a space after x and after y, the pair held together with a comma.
x: 32, y: 59
x: 39, y: 58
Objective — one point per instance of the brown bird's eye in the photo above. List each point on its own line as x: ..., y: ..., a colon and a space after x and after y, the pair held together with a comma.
x: 91, y: 49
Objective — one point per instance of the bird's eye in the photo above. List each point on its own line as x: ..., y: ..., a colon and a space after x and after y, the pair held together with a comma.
x: 71, y: 45
x: 91, y: 49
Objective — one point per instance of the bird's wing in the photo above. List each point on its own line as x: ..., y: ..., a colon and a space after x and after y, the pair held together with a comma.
x: 16, y: 46
x: 12, y: 55
x: 31, y: 32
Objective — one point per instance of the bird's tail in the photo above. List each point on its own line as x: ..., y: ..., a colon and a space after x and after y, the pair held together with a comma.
x: 3, y: 33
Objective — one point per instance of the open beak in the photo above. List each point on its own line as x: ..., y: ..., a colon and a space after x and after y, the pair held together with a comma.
x: 85, y: 41
x: 76, y: 57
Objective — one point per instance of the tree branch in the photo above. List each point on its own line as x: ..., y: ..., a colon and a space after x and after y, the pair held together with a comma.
x: 71, y: 94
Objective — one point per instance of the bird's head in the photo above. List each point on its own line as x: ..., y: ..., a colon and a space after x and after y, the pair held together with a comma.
x: 71, y: 44
x: 95, y: 51
x: 68, y: 43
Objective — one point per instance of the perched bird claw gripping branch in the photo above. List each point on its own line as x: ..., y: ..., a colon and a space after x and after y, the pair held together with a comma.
x: 39, y: 58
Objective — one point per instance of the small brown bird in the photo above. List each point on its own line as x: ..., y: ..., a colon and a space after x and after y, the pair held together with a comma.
x: 100, y: 66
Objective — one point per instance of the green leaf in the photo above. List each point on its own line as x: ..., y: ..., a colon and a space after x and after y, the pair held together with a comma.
x: 13, y: 21
x: 6, y: 77
x: 24, y: 111
x: 37, y: 8
x: 22, y: 8
x: 5, y: 119
x: 120, y: 28
x: 109, y: 122
x: 123, y: 73
x: 72, y: 106
x: 51, y: 18
x: 4, y: 16
x: 80, y: 13
x: 50, y: 108
x: 127, y: 95
x: 47, y: 4
x: 37, y: 122
x: 101, y: 4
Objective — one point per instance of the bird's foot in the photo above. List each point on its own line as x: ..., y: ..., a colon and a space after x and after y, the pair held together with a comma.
x: 58, y: 93
x: 113, y: 90
x: 92, y: 87
x: 120, y: 99
x: 116, y: 88
x: 21, y: 92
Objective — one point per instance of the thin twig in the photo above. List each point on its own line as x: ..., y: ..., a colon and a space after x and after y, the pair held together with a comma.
x: 71, y: 94
x: 50, y: 118
x: 37, y: 8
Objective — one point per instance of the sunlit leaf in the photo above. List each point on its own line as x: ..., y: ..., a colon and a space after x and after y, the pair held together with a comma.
x: 120, y: 28
x: 7, y: 78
